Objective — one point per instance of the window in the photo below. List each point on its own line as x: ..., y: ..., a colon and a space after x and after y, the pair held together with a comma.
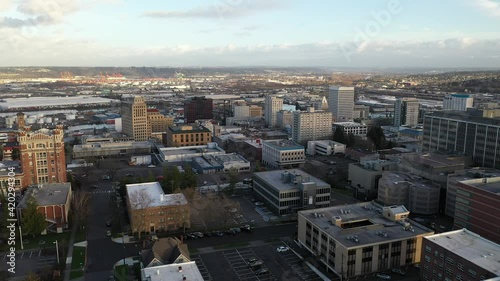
x: 472, y: 273
x: 460, y: 266
x: 450, y: 260
x: 459, y: 277
x: 428, y: 249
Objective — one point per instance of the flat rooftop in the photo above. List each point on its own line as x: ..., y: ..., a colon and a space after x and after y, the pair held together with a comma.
x: 170, y: 272
x: 207, y: 162
x: 349, y: 124
x: 155, y: 192
x: 188, y: 150
x: 188, y: 129
x: 283, y: 144
x: 489, y: 184
x: 369, y: 224
x: 47, y: 194
x: 273, y: 178
x: 470, y: 246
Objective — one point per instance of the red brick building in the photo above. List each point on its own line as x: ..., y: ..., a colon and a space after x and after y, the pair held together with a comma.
x: 198, y: 108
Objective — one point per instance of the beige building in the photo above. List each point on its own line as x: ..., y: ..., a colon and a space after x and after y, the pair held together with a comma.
x: 406, y: 112
x: 365, y: 175
x: 255, y: 111
x: 187, y: 135
x: 150, y: 209
x: 157, y: 122
x: 284, y: 118
x: 272, y: 105
x: 135, y: 119
x: 363, y: 238
x: 283, y: 154
x: 311, y: 125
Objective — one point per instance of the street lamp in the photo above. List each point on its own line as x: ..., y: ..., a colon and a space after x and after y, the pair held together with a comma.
x: 57, y: 251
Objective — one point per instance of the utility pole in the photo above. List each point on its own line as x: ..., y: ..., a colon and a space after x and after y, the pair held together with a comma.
x: 21, y: 237
x: 57, y: 251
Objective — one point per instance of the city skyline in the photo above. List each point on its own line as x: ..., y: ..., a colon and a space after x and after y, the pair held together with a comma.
x: 392, y: 33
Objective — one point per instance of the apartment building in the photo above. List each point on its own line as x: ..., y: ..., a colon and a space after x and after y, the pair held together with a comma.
x: 284, y: 118
x: 187, y: 135
x: 311, y: 125
x: 150, y: 209
x: 359, y: 239
x: 341, y: 103
x: 272, y: 105
x: 458, y: 102
x: 286, y: 192
x: 42, y: 156
x: 406, y: 112
x: 354, y: 128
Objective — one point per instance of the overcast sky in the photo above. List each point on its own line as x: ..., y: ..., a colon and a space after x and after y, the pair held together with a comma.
x: 354, y: 33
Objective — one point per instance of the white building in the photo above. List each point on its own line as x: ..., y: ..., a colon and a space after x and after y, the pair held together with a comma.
x: 406, y: 112
x: 283, y: 154
x: 186, y: 153
x: 272, y: 105
x: 324, y: 147
x: 241, y: 111
x: 458, y: 102
x: 341, y: 103
x: 354, y: 128
x: 172, y: 272
x: 311, y: 125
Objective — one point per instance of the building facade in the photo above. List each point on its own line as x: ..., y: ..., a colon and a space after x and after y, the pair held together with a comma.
x: 157, y: 122
x: 460, y: 132
x: 272, y: 105
x: 53, y: 200
x: 241, y: 111
x: 311, y: 125
x: 286, y: 192
x: 135, y: 118
x: 458, y: 102
x: 42, y: 156
x: 198, y: 108
x: 187, y: 136
x: 151, y: 210
x: 341, y: 103
x: 477, y: 207
x: 113, y: 149
x: 284, y: 118
x: 325, y: 147
x: 406, y: 112
x: 364, y: 176
x: 354, y: 128
x: 255, y: 111
x: 459, y: 255
x: 359, y: 239
x: 283, y: 154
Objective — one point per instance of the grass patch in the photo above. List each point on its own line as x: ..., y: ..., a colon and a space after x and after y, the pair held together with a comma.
x: 230, y: 246
x: 77, y: 262
x: 42, y: 241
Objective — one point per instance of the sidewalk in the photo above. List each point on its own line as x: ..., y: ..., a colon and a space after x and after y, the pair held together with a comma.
x: 67, y: 268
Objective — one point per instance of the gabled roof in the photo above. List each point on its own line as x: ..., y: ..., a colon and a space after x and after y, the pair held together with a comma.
x: 165, y: 251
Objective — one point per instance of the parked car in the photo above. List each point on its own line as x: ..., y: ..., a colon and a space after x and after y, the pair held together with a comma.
x: 247, y: 228
x: 252, y: 260
x: 262, y: 271
x: 159, y: 178
x: 108, y: 223
x: 399, y: 271
x: 94, y: 186
x: 191, y: 236
x: 108, y: 233
x: 258, y: 203
x: 383, y: 276
x: 151, y: 166
x: 255, y: 263
x: 199, y: 234
x: 106, y: 177
x: 218, y: 233
x: 129, y: 175
x: 282, y: 249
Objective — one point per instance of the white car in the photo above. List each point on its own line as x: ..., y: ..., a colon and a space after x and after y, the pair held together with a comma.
x: 282, y: 249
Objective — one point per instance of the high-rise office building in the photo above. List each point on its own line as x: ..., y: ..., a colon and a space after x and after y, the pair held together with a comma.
x: 458, y: 102
x: 272, y: 105
x: 311, y: 125
x: 284, y: 118
x: 135, y: 118
x: 461, y: 132
x: 42, y: 156
x: 198, y: 108
x: 406, y: 112
x: 341, y: 103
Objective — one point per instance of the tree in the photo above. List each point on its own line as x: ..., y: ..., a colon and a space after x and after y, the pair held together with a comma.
x: 112, y: 172
x: 376, y: 135
x: 233, y: 179
x: 351, y: 140
x: 188, y: 178
x: 339, y: 135
x: 33, y: 222
x: 140, y: 201
x: 32, y: 277
x: 80, y: 207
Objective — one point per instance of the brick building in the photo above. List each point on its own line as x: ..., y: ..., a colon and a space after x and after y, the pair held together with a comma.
x: 198, y: 108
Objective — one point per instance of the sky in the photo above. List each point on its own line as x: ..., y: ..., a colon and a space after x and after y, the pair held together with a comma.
x: 235, y: 33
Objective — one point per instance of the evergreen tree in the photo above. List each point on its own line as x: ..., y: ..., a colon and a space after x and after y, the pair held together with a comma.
x: 33, y: 222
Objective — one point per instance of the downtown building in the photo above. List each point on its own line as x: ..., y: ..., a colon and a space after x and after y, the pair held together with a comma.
x: 311, y: 125
x: 406, y: 112
x: 272, y: 105
x: 459, y: 255
x: 362, y: 238
x: 135, y: 118
x: 458, y: 102
x: 463, y: 133
x: 283, y: 154
x: 341, y: 103
x: 198, y: 108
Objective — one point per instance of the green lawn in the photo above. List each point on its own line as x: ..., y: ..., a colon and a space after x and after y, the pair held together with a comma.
x: 77, y: 262
x: 121, y: 272
x: 41, y: 241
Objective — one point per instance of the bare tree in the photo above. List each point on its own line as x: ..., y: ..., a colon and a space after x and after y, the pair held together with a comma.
x: 139, y: 201
x: 80, y: 207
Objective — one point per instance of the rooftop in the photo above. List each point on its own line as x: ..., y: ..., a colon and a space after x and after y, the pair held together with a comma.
x: 274, y: 178
x: 489, y: 184
x: 187, y: 150
x: 470, y: 246
x: 171, y: 272
x: 47, y: 194
x: 349, y: 124
x: 283, y: 144
x: 361, y: 224
x: 155, y: 192
x: 188, y: 129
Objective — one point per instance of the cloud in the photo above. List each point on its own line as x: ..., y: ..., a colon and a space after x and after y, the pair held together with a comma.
x: 492, y: 7
x: 5, y: 5
x: 221, y: 9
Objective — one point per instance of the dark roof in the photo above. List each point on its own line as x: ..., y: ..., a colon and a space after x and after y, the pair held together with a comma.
x: 165, y: 250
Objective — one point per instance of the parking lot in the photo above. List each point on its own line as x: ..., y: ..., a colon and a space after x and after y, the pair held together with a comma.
x: 233, y: 264
x: 30, y: 261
